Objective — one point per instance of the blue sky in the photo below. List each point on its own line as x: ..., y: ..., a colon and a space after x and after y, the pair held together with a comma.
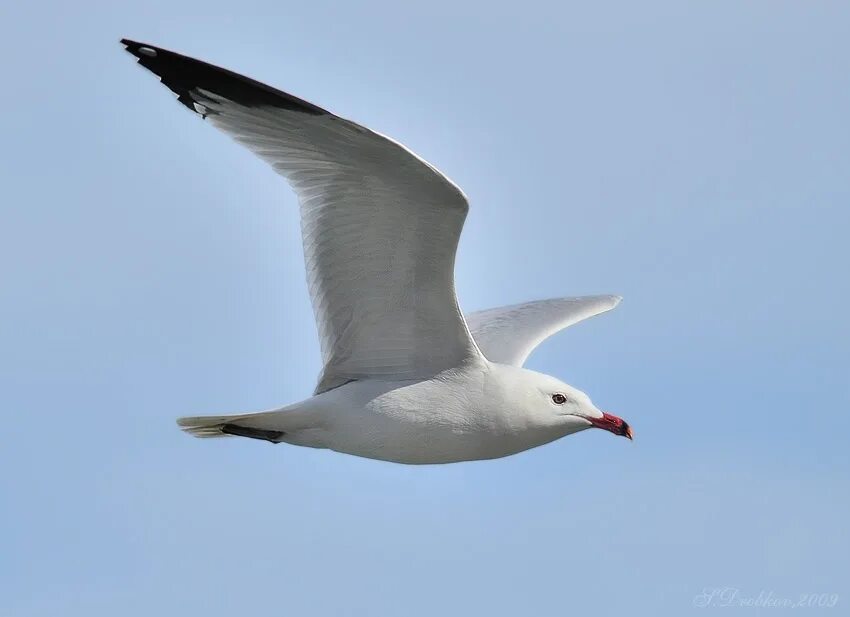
x: 692, y: 157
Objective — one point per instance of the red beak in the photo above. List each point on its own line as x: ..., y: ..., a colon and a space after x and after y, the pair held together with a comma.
x: 612, y: 423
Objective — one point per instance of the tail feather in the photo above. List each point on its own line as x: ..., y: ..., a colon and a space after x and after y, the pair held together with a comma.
x: 266, y: 425
x: 206, y: 426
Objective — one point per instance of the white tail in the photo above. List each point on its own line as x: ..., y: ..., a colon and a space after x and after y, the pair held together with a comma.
x: 267, y: 425
x: 207, y: 426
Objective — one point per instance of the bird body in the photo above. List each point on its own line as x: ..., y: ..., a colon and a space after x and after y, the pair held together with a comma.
x: 407, y: 377
x: 486, y: 410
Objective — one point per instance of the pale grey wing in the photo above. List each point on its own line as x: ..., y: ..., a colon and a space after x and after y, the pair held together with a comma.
x: 380, y: 226
x: 508, y: 334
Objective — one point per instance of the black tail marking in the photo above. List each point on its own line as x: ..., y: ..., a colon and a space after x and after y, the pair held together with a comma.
x: 252, y: 433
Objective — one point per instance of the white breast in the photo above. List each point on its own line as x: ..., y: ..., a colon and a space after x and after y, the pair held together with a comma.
x: 456, y: 416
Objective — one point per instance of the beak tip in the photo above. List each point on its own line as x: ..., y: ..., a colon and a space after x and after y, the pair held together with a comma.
x: 613, y: 424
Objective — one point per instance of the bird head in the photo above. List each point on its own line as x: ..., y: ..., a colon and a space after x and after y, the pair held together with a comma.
x: 558, y: 404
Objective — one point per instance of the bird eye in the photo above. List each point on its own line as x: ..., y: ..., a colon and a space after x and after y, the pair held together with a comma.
x: 559, y: 399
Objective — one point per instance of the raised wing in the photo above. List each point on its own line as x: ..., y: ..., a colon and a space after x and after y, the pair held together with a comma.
x: 380, y: 226
x: 508, y: 334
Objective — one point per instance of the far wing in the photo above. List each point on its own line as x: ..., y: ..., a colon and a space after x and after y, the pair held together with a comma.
x: 508, y: 334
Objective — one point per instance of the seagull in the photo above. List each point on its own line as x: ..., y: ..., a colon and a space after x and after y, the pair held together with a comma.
x: 407, y: 378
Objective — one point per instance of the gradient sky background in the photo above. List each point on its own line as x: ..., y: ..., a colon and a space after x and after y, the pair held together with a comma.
x: 692, y: 157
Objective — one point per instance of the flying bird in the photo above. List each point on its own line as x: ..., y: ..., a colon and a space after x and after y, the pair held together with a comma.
x: 407, y: 377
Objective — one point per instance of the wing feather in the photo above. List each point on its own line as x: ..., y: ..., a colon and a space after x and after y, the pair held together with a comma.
x: 380, y: 226
x: 509, y: 334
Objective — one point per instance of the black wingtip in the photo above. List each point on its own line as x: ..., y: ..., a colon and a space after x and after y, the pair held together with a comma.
x: 184, y: 76
x: 139, y: 49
